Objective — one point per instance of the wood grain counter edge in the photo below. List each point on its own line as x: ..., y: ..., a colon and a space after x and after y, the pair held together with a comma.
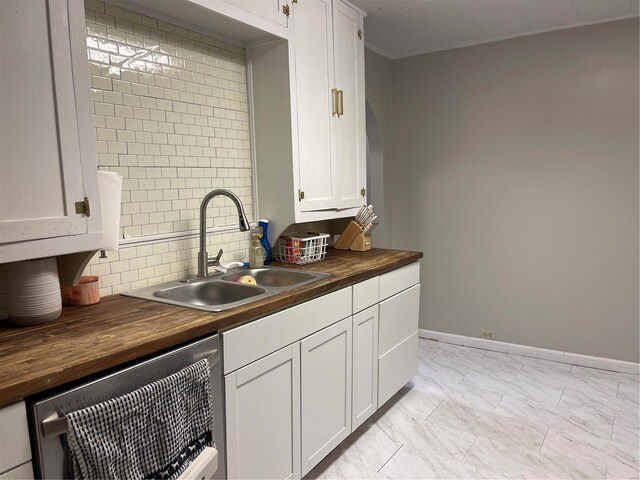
x: 89, y: 340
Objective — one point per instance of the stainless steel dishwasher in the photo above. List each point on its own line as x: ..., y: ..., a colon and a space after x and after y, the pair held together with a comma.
x: 48, y: 424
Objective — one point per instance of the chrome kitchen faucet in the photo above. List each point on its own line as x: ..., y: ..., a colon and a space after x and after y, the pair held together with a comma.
x: 204, y: 262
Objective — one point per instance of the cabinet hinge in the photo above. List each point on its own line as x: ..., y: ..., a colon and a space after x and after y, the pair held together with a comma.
x: 360, y: 33
x: 83, y: 207
x: 285, y: 10
x: 300, y: 195
x: 363, y: 191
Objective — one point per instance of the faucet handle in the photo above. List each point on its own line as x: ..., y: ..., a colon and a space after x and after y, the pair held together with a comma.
x: 218, y: 256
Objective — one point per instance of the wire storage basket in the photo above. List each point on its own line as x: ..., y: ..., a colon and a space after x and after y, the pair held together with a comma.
x: 302, y: 248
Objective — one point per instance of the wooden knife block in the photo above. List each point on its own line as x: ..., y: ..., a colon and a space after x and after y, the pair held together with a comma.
x: 353, y: 239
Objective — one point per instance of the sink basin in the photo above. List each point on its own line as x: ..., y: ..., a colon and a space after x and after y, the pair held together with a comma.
x: 222, y: 292
x: 209, y: 293
x: 276, y: 277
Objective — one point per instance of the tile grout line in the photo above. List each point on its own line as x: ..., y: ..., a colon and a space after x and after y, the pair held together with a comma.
x: 469, y: 449
x: 560, y: 397
x: 394, y: 454
x: 441, y: 402
x: 496, y: 407
x: 612, y: 424
x: 519, y: 369
x: 543, y: 440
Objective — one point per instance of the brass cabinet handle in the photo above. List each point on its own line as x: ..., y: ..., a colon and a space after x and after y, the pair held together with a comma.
x: 334, y: 96
x: 341, y: 95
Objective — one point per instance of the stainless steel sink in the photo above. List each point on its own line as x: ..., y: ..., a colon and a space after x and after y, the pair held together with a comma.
x: 222, y: 292
x: 276, y: 277
x: 209, y: 293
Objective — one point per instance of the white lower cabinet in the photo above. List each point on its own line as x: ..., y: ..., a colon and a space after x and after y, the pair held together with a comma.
x: 263, y: 417
x: 398, y: 342
x: 299, y: 381
x: 365, y: 365
x: 397, y: 367
x: 23, y: 472
x: 14, y: 442
x: 326, y: 391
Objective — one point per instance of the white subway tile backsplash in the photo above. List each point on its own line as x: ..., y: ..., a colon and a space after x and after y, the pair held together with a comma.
x: 171, y: 117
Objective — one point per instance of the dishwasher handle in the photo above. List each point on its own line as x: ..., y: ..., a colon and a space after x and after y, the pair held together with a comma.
x: 58, y: 425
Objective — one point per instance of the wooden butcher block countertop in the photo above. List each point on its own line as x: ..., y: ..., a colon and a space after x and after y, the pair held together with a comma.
x: 87, y: 340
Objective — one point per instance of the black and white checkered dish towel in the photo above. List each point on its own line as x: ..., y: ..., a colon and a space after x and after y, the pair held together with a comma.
x: 153, y: 432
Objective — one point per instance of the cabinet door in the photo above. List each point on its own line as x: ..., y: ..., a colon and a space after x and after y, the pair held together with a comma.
x: 314, y: 75
x: 263, y: 417
x: 40, y: 157
x: 365, y: 365
x: 23, y: 472
x: 326, y: 391
x: 14, y: 436
x: 350, y: 124
x: 268, y: 9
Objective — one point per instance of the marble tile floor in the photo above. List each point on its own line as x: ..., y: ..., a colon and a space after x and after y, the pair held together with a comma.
x: 478, y: 414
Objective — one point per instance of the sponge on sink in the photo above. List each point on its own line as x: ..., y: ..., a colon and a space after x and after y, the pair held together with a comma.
x: 247, y: 279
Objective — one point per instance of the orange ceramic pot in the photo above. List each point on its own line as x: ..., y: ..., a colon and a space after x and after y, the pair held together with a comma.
x: 86, y: 292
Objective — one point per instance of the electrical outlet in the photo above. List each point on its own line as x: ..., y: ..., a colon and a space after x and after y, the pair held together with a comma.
x: 488, y: 334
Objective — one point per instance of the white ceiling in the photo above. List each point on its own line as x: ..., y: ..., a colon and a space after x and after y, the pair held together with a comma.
x: 402, y: 28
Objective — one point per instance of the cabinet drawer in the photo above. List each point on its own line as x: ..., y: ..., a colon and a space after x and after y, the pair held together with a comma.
x: 397, y: 367
x: 14, y: 437
x: 398, y: 280
x: 250, y: 342
x: 398, y: 318
x: 365, y: 294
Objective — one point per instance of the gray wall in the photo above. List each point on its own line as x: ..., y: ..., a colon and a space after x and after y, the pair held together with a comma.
x: 515, y: 170
x: 379, y: 87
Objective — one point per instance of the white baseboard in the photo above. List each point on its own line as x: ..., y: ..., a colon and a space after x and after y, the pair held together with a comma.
x: 536, y: 352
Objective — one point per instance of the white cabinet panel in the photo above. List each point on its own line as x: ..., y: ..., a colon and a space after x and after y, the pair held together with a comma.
x: 23, y: 472
x: 365, y: 365
x: 326, y: 391
x: 398, y: 318
x: 365, y: 294
x: 47, y: 156
x: 350, y: 123
x: 398, y: 280
x: 268, y: 9
x: 14, y: 436
x: 314, y: 74
x: 397, y: 367
x: 263, y: 417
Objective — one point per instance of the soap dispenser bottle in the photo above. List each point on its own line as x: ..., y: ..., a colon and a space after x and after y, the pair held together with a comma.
x: 264, y: 240
x: 256, y: 252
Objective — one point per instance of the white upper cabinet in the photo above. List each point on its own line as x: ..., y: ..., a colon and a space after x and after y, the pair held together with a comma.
x: 350, y: 118
x: 272, y: 10
x: 329, y: 83
x: 47, y: 158
x: 313, y: 45
x: 308, y: 112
